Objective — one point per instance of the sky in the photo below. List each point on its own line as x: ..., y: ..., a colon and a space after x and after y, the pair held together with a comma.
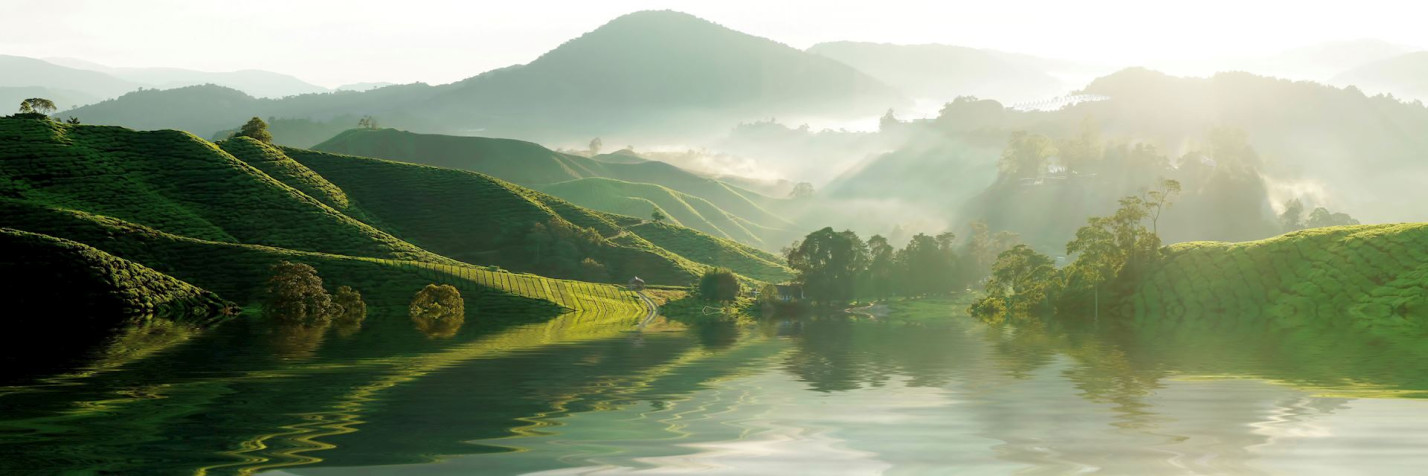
x: 331, y: 42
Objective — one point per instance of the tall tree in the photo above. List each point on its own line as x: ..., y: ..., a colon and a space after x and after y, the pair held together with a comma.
x: 1025, y: 155
x: 37, y: 106
x: 882, y: 269
x: 256, y: 129
x: 828, y: 263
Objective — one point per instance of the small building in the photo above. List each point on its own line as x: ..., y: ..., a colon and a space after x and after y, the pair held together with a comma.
x: 636, y: 284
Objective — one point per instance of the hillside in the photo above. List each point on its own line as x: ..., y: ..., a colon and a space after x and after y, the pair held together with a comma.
x: 1404, y: 76
x: 745, y: 260
x: 530, y: 164
x: 640, y: 200
x: 18, y: 71
x: 178, y: 183
x: 641, y: 77
x: 944, y: 72
x: 1372, y: 277
x: 66, y: 299
x: 478, y: 219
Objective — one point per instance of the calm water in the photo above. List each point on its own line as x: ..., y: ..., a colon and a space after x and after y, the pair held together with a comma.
x: 834, y: 395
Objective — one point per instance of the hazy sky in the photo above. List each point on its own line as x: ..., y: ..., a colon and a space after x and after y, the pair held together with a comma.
x: 332, y: 42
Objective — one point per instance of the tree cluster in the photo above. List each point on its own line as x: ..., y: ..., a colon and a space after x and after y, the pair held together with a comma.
x: 836, y: 267
x: 1112, y: 253
x: 1293, y: 219
x: 718, y: 284
x: 295, y: 295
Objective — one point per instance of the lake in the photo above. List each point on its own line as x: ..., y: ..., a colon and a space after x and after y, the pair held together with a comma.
x: 930, y: 393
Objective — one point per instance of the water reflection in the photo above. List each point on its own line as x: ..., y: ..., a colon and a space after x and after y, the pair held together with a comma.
x: 813, y: 394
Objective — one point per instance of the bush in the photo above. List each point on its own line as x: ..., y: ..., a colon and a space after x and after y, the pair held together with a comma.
x: 719, y: 284
x: 296, y: 296
x: 438, y: 311
x: 347, y: 306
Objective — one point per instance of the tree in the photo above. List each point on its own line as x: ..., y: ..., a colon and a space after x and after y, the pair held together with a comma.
x: 882, y: 269
x: 658, y: 216
x: 719, y: 284
x: 828, y: 263
x: 595, y: 145
x: 1021, y: 283
x: 802, y: 190
x: 1293, y: 217
x: 593, y: 271
x: 257, y: 129
x: 438, y: 310
x: 1025, y: 155
x: 1158, y: 199
x: 926, y: 264
x: 367, y: 122
x: 347, y: 306
x: 295, y: 295
x: 37, y: 106
x: 1322, y: 217
x: 73, y: 120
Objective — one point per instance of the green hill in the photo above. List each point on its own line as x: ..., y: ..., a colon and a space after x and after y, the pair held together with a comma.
x: 1371, y: 277
x: 479, y: 219
x: 65, y: 299
x: 640, y: 199
x: 530, y: 164
x: 742, y: 259
x: 173, y: 181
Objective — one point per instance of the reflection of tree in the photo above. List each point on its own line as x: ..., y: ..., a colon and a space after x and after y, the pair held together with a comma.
x: 837, y: 353
x: 438, y: 311
x: 296, y: 341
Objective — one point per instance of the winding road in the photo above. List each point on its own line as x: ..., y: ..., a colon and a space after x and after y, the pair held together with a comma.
x: 654, y: 308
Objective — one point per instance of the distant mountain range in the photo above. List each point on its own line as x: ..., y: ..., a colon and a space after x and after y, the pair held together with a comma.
x: 943, y: 72
x: 72, y: 82
x: 1405, y: 76
x: 653, y: 74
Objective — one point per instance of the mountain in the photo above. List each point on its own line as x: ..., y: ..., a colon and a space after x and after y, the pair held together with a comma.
x: 532, y: 165
x: 257, y: 83
x: 1405, y: 76
x: 11, y: 96
x: 363, y: 86
x: 643, y: 76
x: 17, y: 71
x: 944, y: 72
x: 1323, y: 61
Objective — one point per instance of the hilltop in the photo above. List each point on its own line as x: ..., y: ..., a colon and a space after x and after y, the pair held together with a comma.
x: 530, y: 164
x: 1370, y: 277
x: 651, y: 75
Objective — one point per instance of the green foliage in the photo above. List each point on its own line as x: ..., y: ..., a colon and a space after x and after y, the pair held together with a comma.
x: 1021, y: 285
x: 1293, y: 219
x: 828, y: 263
x: 367, y: 122
x: 257, y: 130
x: 1025, y: 155
x: 348, y: 306
x: 438, y: 310
x: 718, y: 284
x: 927, y: 265
x: 710, y: 250
x: 637, y: 199
x: 37, y: 106
x: 658, y: 216
x: 295, y: 296
x: 66, y: 298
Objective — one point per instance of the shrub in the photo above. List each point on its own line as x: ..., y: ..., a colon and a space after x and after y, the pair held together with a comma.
x: 719, y: 284
x: 438, y: 311
x: 347, y: 306
x: 296, y: 296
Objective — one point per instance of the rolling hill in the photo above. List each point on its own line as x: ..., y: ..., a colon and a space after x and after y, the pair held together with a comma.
x: 70, y: 298
x: 647, y: 76
x: 641, y: 199
x: 1405, y: 76
x: 532, y: 165
x: 1370, y: 277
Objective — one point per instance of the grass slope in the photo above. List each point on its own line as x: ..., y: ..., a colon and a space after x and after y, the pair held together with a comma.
x: 480, y: 219
x: 530, y: 164
x: 742, y: 259
x: 178, y: 183
x: 239, y: 271
x: 640, y: 200
x: 1372, y: 277
x: 65, y: 298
